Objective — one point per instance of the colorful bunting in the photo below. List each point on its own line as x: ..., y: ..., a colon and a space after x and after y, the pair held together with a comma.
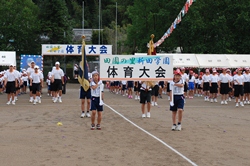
x: 182, y: 13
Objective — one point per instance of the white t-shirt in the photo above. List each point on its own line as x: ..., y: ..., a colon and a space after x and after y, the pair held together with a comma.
x: 214, y: 78
x: 206, y: 78
x: 224, y: 78
x: 11, y: 76
x: 96, y: 92
x: 57, y: 73
x: 177, y: 90
x: 24, y: 78
x: 36, y: 77
x: 192, y: 78
x: 30, y: 71
x: 199, y: 81
x: 184, y: 77
x: 246, y: 77
x: 239, y: 78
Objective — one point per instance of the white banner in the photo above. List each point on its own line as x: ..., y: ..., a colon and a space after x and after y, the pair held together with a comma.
x: 69, y: 49
x: 130, y: 67
x: 7, y: 58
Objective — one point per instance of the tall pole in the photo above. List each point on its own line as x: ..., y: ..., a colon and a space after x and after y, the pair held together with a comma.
x: 99, y: 22
x: 116, y: 30
x: 82, y: 17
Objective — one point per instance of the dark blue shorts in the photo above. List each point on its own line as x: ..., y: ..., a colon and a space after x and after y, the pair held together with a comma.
x: 161, y: 83
x: 130, y: 84
x: 116, y: 83
x: 85, y: 94
x: 178, y: 103
x: 95, y: 104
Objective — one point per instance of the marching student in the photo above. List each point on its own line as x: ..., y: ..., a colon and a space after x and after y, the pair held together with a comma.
x: 130, y: 86
x: 184, y: 76
x: 213, y: 86
x: 205, y: 84
x: 30, y: 70
x: 24, y: 79
x: 161, y: 88
x: 96, y: 86
x: 177, y: 102
x: 58, y: 81
x: 48, y: 82
x: 36, y: 81
x: 145, y: 97
x: 191, y: 84
x: 199, y: 88
x: 246, y: 86
x: 238, y: 87
x: 19, y: 82
x: 230, y: 89
x: 137, y: 87
x: 155, y: 93
x: 224, y: 84
x: 10, y: 82
x: 86, y: 95
x: 124, y: 86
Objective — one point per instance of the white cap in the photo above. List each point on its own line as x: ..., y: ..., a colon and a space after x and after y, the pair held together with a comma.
x: 94, y: 72
x: 36, y: 67
x: 57, y: 63
x: 12, y: 64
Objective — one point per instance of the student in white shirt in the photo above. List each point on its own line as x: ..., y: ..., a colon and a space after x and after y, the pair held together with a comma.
x: 96, y: 86
x: 213, y: 86
x: 205, y: 84
x: 238, y: 87
x: 224, y: 84
x: 246, y: 86
x: 36, y: 83
x: 191, y: 84
x: 58, y: 81
x: 30, y: 70
x: 177, y: 103
x: 145, y: 97
x: 10, y: 82
x: 124, y: 86
x: 24, y: 79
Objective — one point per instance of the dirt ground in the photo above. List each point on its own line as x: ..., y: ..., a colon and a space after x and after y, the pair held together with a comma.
x: 212, y: 134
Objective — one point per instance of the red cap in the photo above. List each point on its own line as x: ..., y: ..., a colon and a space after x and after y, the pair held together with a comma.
x: 177, y: 71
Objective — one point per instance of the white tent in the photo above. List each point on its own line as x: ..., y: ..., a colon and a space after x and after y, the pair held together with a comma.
x: 212, y: 60
x: 7, y: 58
x: 185, y: 60
x: 236, y: 60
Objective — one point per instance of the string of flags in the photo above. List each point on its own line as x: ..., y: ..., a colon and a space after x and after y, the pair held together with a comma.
x: 177, y: 20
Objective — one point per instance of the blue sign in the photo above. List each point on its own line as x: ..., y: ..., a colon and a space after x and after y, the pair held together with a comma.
x: 27, y: 59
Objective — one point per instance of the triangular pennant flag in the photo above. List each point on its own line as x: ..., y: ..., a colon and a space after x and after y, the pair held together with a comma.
x: 183, y: 11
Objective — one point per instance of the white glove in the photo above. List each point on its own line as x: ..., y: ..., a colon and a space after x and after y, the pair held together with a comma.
x: 171, y: 103
x: 101, y: 102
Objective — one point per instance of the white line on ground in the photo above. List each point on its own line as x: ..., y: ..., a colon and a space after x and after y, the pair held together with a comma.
x: 158, y: 139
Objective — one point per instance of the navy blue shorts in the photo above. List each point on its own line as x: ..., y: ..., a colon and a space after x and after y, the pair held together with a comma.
x: 116, y: 83
x: 123, y: 87
x: 178, y: 103
x: 85, y: 94
x: 161, y: 83
x: 95, y: 104
x: 130, y: 84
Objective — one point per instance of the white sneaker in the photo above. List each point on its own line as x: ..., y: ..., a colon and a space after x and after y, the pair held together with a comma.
x: 143, y: 116
x: 40, y: 101
x: 60, y: 100
x: 156, y: 104
x: 88, y: 115
x: 229, y: 99
x: 205, y: 98
x: 168, y: 98
x: 215, y: 100
x: 211, y: 101
x: 30, y: 100
x: 55, y: 100
x: 34, y: 102
x: 138, y: 97
x: 245, y: 102
x: 222, y: 102
x: 13, y: 102
x: 178, y: 128
x: 8, y: 103
x: 152, y: 104
x: 226, y: 102
x: 148, y: 115
x: 237, y: 105
x: 82, y: 115
x: 248, y: 102
x: 173, y: 127
x: 241, y: 104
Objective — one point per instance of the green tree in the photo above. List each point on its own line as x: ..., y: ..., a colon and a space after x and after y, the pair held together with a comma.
x: 55, y: 21
x: 20, y: 26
